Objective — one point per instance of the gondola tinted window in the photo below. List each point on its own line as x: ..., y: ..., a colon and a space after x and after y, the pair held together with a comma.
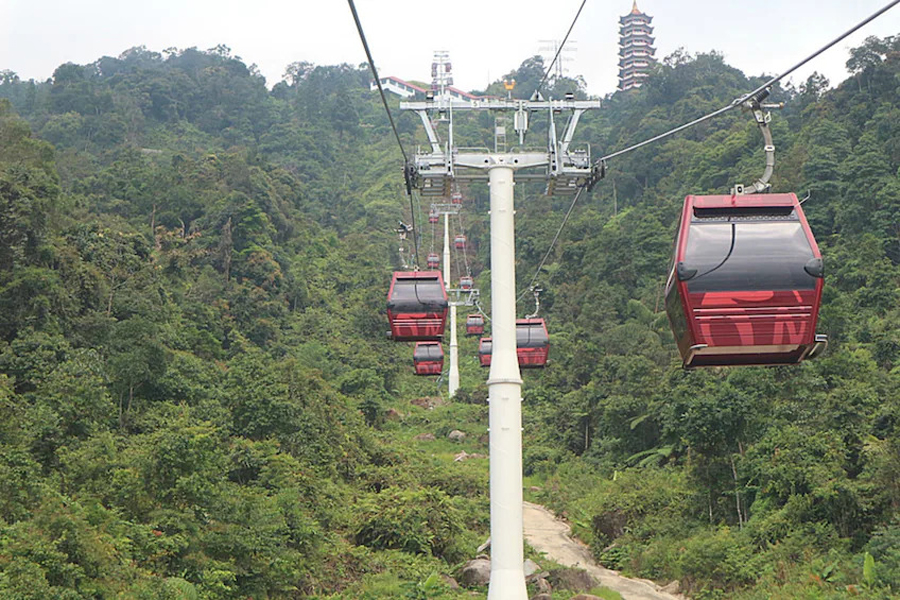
x: 411, y: 293
x: 747, y: 255
x: 427, y: 351
x: 531, y: 335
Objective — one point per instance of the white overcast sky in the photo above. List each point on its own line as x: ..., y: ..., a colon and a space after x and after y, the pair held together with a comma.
x: 485, y: 38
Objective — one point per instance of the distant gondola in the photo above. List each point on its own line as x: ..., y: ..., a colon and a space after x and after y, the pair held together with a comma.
x: 474, y: 324
x: 433, y: 261
x: 460, y: 242
x: 484, y: 351
x: 532, y: 345
x: 746, y: 283
x: 466, y: 283
x: 428, y: 358
x: 417, y: 305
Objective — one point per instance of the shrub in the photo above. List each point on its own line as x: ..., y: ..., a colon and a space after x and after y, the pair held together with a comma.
x: 421, y: 521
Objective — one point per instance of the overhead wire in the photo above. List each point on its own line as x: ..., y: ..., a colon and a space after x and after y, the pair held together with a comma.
x: 536, y: 92
x: 734, y: 104
x: 562, y: 225
x: 362, y: 37
x: 559, y: 50
x: 740, y: 100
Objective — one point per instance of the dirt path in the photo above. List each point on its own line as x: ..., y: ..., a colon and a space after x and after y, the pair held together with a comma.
x: 550, y: 535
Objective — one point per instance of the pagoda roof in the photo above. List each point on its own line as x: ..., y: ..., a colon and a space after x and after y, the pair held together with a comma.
x: 647, y: 59
x: 644, y: 51
x: 635, y: 12
x: 631, y: 45
x: 635, y: 36
x: 628, y: 27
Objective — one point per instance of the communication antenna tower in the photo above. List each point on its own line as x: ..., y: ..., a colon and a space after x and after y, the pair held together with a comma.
x: 441, y: 68
x: 549, y: 48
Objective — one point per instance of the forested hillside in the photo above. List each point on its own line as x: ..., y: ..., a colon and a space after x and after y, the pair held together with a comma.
x: 198, y: 399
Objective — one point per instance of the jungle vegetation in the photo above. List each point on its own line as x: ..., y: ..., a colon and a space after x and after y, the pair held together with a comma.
x: 198, y: 399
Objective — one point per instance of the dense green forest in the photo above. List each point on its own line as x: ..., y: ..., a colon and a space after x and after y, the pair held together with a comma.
x: 198, y: 399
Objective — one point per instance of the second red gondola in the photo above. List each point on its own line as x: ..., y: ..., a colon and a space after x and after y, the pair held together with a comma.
x: 417, y: 305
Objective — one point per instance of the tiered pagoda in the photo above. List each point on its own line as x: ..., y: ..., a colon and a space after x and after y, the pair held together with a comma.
x: 635, y: 48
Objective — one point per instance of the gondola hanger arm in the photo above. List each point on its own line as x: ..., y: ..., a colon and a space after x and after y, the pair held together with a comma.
x: 763, y: 117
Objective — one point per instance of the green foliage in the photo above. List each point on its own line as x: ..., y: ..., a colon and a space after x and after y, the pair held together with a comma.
x: 417, y: 521
x: 195, y: 387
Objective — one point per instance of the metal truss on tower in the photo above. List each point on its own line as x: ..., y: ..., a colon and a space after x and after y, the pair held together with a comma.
x: 564, y: 167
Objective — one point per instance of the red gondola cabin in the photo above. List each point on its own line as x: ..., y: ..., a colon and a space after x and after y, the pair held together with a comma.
x: 532, y: 343
x: 746, y: 283
x: 484, y: 352
x: 417, y: 306
x: 433, y: 261
x: 460, y: 242
x: 456, y: 198
x: 466, y: 283
x: 433, y: 217
x: 428, y: 358
x: 474, y: 325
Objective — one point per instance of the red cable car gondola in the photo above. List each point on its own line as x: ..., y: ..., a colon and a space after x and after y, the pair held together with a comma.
x: 484, y: 352
x: 434, y: 217
x: 428, y: 358
x: 474, y: 324
x: 417, y: 305
x: 466, y: 283
x: 433, y: 261
x: 746, y: 283
x: 460, y: 242
x: 456, y: 198
x: 532, y: 343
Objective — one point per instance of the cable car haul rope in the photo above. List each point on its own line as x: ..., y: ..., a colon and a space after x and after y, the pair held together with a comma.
x: 724, y: 309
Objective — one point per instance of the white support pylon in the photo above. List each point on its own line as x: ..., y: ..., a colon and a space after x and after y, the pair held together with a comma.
x: 453, y: 371
x: 453, y: 374
x: 505, y: 399
x: 567, y: 169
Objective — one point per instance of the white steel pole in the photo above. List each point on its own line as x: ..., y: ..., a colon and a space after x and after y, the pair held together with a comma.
x: 447, y: 250
x: 505, y: 398
x: 453, y: 376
